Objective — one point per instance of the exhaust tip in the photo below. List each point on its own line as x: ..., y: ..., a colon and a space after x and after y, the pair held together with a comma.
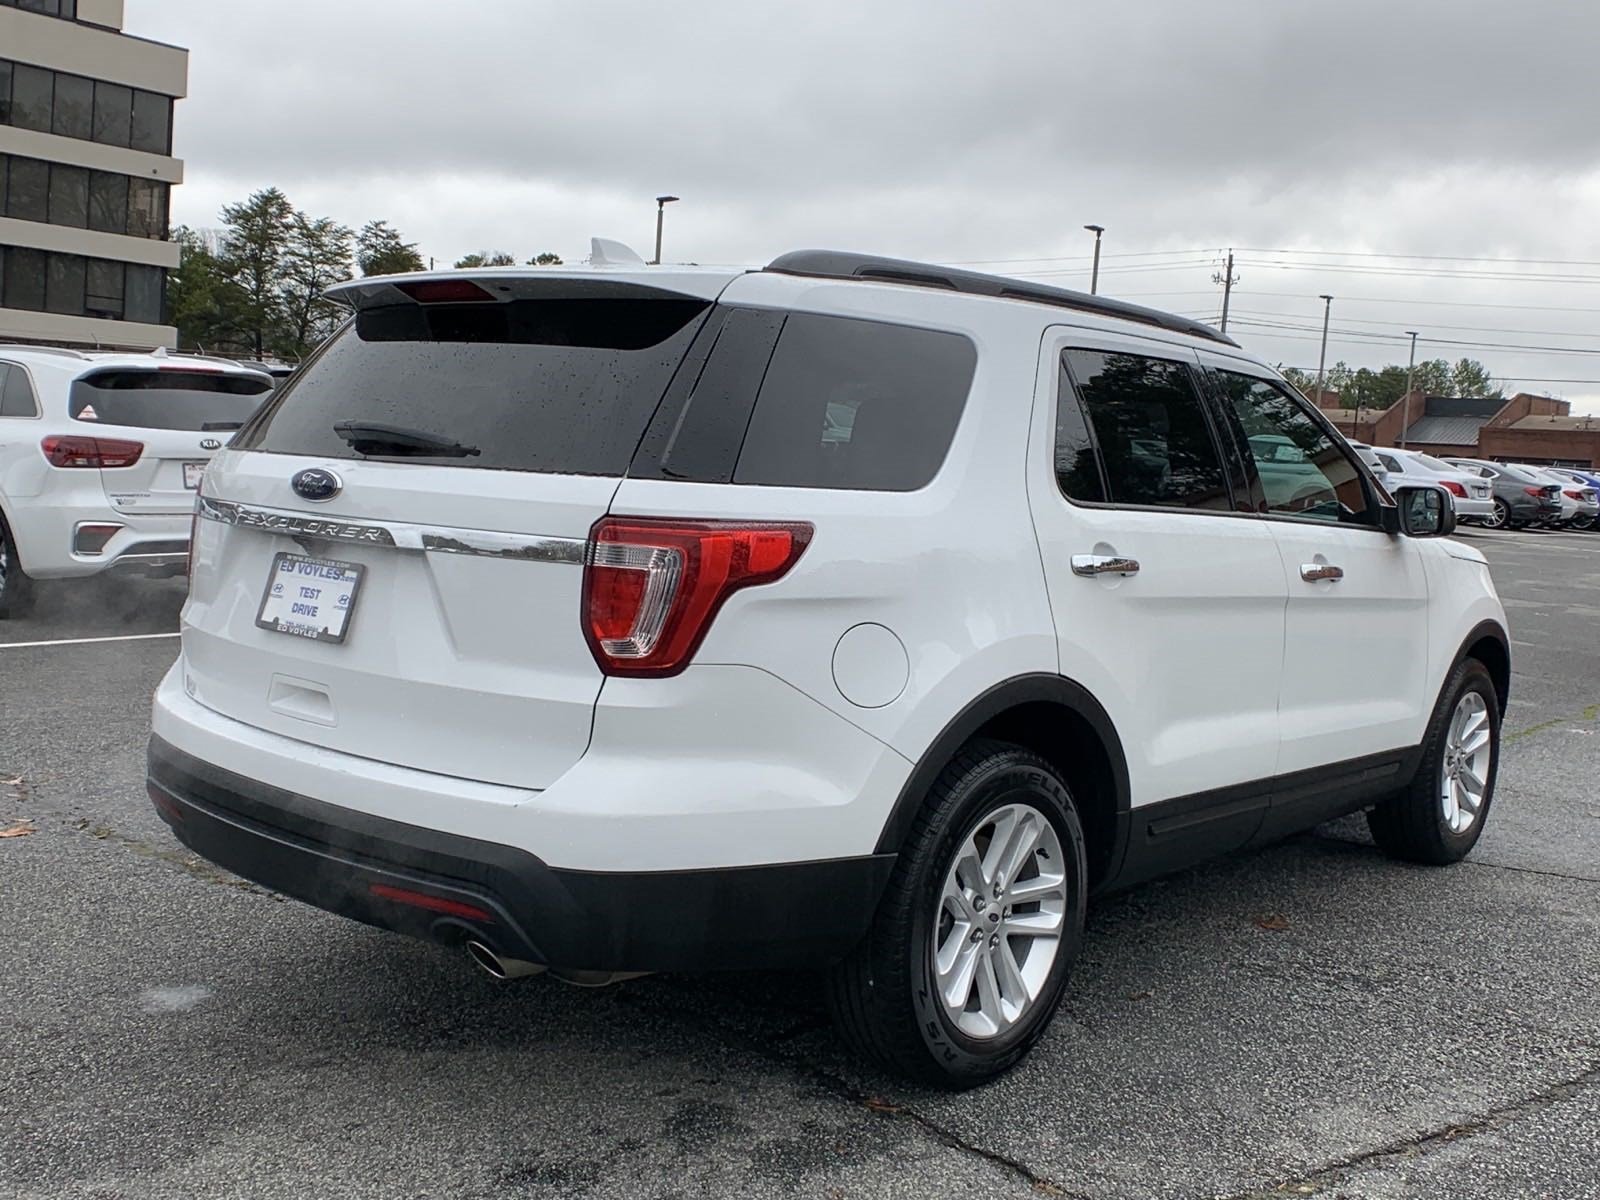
x: 501, y: 968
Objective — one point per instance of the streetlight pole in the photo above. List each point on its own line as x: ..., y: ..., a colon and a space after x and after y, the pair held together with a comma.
x: 1094, y: 277
x: 661, y: 208
x: 1411, y: 368
x: 1322, y: 358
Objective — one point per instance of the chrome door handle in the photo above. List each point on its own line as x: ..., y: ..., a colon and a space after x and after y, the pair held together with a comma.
x: 1090, y: 565
x: 1313, y: 572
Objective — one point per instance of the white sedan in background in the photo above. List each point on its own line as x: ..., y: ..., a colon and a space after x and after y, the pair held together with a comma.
x: 1579, y: 502
x: 1473, y: 496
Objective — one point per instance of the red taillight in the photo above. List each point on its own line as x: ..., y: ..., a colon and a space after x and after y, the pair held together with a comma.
x: 444, y: 291
x: 438, y: 904
x: 651, y: 587
x: 1574, y: 495
x: 1454, y: 488
x: 1533, y: 491
x: 92, y: 452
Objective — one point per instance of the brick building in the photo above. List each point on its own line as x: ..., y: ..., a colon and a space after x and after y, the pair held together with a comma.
x: 1524, y: 428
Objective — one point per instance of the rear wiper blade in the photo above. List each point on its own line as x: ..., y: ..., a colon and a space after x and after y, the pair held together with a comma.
x: 369, y: 437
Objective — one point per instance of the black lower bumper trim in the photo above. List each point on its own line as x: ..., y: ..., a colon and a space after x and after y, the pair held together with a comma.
x: 787, y: 915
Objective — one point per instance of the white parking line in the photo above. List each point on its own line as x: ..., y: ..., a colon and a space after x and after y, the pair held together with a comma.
x: 127, y: 637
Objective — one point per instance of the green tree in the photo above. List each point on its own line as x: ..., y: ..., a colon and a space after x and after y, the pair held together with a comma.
x: 545, y: 259
x: 318, y: 255
x: 381, y: 251
x: 255, y: 239
x: 207, y: 306
x: 1471, y: 378
x: 488, y: 258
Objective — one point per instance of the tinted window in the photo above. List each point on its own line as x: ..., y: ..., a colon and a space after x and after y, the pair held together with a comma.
x: 1304, y: 472
x: 113, y: 113
x: 1150, y: 427
x: 147, y: 208
x: 563, y: 386
x: 29, y: 192
x: 24, y: 279
x: 1077, y: 463
x: 102, y: 293
x: 142, y: 297
x: 704, y: 438
x: 152, y: 119
x: 69, y: 196
x: 190, y: 400
x: 856, y: 404
x: 16, y: 394
x: 5, y: 92
x: 1391, y: 463
x: 108, y: 202
x: 74, y: 107
x: 64, y: 280
x: 32, y: 89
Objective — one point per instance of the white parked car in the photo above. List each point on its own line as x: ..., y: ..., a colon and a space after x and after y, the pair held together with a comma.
x: 849, y: 613
x: 1579, y: 502
x: 1588, y: 517
x: 100, y: 458
x: 1470, y: 493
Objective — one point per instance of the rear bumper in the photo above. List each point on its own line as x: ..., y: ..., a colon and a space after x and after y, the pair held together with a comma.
x: 373, y: 869
x: 51, y: 540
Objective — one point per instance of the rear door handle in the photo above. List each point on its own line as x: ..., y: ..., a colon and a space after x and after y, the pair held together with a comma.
x: 1314, y: 572
x: 1090, y: 565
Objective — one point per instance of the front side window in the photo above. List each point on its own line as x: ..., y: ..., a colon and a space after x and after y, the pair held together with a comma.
x: 1141, y: 436
x: 1303, y: 471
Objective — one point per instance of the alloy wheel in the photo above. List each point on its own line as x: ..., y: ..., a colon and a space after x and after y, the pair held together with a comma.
x: 1000, y: 920
x: 1464, y: 773
x: 1498, y: 518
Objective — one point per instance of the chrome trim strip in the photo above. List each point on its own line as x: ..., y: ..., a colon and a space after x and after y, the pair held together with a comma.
x: 395, y: 535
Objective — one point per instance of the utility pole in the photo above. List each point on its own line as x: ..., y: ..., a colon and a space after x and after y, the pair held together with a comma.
x: 1227, y: 280
x: 1094, y: 276
x: 1322, y: 359
x: 661, y: 208
x: 1411, y: 369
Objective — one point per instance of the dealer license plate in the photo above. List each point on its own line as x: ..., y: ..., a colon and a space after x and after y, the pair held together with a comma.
x: 310, y: 597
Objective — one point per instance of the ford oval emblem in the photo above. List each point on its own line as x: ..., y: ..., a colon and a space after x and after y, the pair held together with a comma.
x: 210, y: 444
x: 314, y: 483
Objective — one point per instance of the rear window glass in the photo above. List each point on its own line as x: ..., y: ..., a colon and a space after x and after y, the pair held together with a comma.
x: 564, y: 386
x: 1433, y: 464
x: 856, y: 404
x: 189, y: 400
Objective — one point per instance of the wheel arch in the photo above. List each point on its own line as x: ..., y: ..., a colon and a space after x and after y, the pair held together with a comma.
x: 1057, y: 719
x: 1491, y: 645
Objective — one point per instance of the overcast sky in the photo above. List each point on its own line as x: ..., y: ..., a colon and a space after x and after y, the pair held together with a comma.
x: 981, y: 133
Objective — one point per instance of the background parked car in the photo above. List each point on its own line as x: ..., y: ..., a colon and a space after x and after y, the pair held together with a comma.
x: 1579, y: 502
x: 1471, y: 494
x: 1520, y: 498
x: 101, y: 456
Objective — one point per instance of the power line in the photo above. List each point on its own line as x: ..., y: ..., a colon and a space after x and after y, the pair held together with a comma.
x: 1394, y: 300
x: 1564, y: 262
x: 1433, y: 341
x: 979, y: 262
x: 1433, y: 325
x: 1420, y: 272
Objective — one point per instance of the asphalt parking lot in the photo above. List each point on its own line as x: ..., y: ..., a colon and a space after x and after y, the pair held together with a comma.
x: 1308, y: 1020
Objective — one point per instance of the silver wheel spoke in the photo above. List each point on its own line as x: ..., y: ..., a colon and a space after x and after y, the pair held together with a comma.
x: 990, y: 962
x: 1468, y: 753
x: 1471, y: 783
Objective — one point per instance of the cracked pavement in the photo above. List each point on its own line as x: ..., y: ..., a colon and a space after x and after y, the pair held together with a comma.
x: 170, y: 1032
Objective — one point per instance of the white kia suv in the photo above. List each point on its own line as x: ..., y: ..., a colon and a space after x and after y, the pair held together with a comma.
x: 100, y: 457
x: 848, y: 613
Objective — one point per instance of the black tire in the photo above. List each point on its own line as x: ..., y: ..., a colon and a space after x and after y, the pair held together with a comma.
x: 16, y: 589
x: 882, y: 996
x: 1411, y: 825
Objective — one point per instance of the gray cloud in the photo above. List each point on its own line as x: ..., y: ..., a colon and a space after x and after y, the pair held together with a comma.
x: 938, y: 129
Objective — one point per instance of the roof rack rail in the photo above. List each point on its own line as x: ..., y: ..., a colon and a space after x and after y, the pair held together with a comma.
x: 31, y: 349
x: 840, y: 264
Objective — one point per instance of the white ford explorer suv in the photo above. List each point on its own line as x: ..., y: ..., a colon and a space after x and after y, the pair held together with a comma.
x: 100, y: 456
x: 849, y: 613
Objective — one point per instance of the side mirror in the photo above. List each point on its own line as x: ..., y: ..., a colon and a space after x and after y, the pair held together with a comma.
x: 1425, y: 512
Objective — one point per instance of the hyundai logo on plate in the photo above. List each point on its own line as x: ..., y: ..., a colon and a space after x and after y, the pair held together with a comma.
x: 316, y: 484
x: 210, y: 444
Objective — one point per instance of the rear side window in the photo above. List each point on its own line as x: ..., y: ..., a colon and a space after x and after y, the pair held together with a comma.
x: 856, y: 404
x: 564, y: 386
x: 189, y: 400
x: 1148, y: 425
x: 16, y: 393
